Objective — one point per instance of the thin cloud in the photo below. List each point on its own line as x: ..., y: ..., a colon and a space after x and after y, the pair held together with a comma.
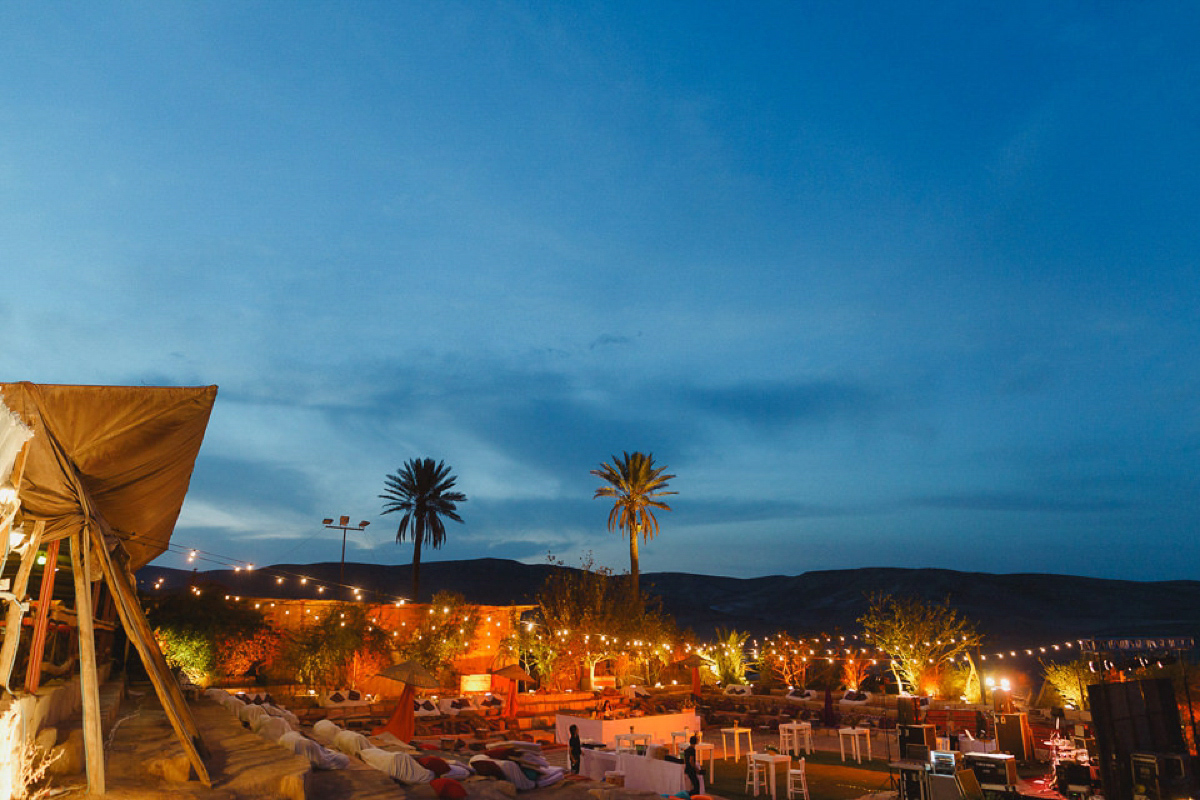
x: 609, y: 340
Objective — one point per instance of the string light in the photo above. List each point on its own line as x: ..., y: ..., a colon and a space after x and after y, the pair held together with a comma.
x: 238, y: 566
x: 768, y: 646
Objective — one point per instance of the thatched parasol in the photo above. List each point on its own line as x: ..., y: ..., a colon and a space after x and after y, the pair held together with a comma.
x: 694, y: 661
x: 403, y: 722
x: 412, y: 674
x: 513, y: 673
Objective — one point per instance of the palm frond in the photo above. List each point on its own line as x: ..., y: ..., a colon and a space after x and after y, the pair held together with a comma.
x: 635, y: 486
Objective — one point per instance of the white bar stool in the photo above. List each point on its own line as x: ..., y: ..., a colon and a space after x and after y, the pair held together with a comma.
x: 796, y: 779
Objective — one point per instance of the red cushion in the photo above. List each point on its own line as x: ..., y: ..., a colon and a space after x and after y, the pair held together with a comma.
x: 437, y: 766
x: 488, y: 769
x: 502, y: 753
x: 448, y: 788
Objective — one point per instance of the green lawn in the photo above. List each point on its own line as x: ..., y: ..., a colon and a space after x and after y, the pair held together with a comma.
x: 828, y: 778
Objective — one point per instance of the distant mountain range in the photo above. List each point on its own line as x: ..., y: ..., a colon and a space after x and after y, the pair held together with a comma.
x: 1017, y: 610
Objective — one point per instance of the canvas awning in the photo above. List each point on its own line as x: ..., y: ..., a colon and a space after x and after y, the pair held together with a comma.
x: 121, y: 456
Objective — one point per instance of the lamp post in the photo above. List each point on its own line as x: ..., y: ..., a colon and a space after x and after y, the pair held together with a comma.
x: 343, y: 525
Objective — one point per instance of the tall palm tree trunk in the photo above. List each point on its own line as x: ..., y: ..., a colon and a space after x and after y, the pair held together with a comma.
x: 416, y: 567
x: 633, y: 564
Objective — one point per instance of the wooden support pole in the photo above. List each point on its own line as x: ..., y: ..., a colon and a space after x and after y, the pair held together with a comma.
x: 12, y: 620
x: 139, y: 632
x: 89, y: 679
x: 37, y: 647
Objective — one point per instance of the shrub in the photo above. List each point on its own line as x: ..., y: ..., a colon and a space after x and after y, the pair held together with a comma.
x: 206, y: 636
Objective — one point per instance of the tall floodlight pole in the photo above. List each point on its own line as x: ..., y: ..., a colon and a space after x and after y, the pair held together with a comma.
x: 343, y: 525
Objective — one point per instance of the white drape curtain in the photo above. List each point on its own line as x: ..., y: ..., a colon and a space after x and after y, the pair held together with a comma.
x: 13, y: 435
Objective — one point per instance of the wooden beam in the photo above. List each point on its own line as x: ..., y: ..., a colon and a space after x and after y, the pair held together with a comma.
x: 12, y: 620
x: 139, y: 632
x: 18, y: 470
x: 89, y: 679
x: 37, y: 647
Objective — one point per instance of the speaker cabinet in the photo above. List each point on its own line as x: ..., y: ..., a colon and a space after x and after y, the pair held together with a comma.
x: 1014, y: 736
x: 916, y: 741
x: 996, y: 771
x: 942, y: 787
x: 1069, y: 774
x: 908, y: 710
x: 1135, y: 717
x: 912, y: 783
x: 1161, y: 776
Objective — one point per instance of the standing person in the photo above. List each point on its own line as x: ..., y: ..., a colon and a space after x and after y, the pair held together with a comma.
x: 576, y: 749
x: 689, y: 765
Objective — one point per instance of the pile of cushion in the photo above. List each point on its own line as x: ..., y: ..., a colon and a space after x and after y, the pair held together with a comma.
x: 277, y: 725
x: 520, y: 763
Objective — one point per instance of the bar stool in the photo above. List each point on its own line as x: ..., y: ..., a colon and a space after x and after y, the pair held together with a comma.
x: 756, y: 773
x: 796, y: 779
x: 706, y: 750
x: 788, y: 740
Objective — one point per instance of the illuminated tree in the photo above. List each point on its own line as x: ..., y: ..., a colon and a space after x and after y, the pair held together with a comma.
x: 443, y: 634
x: 586, y: 616
x: 853, y: 671
x: 339, y: 649
x: 192, y: 629
x: 730, y: 657
x: 919, y: 637
x: 1070, y: 680
x: 238, y: 652
x: 421, y: 489
x: 635, y: 486
x: 789, y: 658
x: 527, y: 644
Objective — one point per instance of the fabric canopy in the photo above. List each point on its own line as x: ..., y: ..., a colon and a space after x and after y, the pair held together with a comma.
x: 13, y: 435
x: 119, y: 455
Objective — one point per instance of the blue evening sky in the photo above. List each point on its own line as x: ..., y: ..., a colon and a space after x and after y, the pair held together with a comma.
x: 883, y: 284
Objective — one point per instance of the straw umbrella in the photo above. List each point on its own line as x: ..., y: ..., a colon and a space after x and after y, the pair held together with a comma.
x: 514, y: 674
x: 403, y: 722
x: 694, y: 661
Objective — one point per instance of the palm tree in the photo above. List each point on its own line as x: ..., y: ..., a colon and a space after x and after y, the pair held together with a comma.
x: 421, y: 489
x: 635, y: 485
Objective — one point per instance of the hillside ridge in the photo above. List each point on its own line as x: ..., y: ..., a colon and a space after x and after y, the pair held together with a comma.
x: 1013, y: 609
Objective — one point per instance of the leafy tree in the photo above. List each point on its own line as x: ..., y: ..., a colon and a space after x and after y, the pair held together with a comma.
x: 527, y: 645
x: 730, y: 657
x: 422, y: 490
x: 585, y: 616
x: 445, y: 633
x: 191, y: 650
x: 237, y: 653
x: 854, y: 670
x: 1071, y: 680
x: 919, y: 637
x: 635, y: 486
x: 338, y: 650
x: 959, y: 680
x: 789, y: 658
